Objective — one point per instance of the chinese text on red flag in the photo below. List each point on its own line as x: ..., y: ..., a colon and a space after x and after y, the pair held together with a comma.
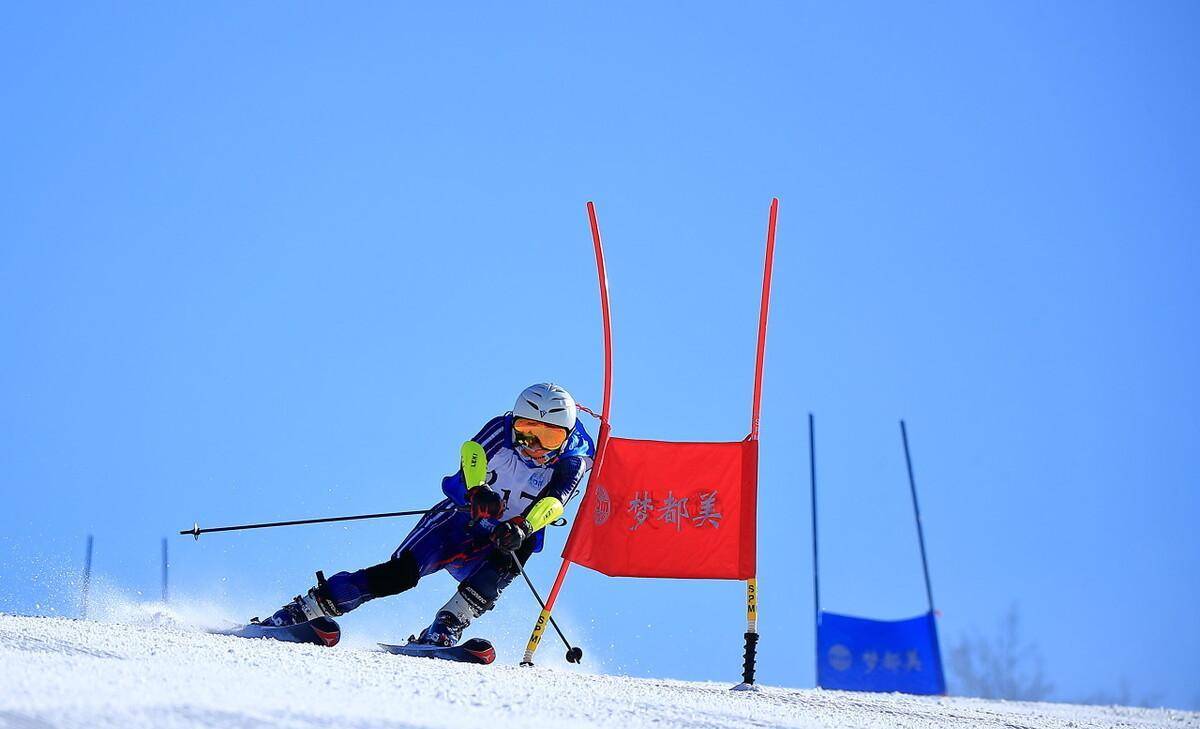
x: 658, y: 509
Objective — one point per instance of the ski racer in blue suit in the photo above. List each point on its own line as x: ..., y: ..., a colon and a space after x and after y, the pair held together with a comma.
x: 537, y: 456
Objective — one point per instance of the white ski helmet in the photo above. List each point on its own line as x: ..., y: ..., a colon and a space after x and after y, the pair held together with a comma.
x: 547, y: 403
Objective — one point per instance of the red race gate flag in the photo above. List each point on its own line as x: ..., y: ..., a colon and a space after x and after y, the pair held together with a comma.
x: 662, y: 509
x: 659, y: 509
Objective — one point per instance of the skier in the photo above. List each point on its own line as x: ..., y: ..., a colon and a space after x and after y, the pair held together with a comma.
x: 536, y: 456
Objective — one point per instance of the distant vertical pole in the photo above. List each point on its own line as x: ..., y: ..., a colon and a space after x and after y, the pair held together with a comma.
x: 912, y: 486
x: 87, y: 577
x: 164, y: 570
x: 812, y: 480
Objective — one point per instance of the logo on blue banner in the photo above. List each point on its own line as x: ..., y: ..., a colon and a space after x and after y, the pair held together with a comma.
x: 859, y: 654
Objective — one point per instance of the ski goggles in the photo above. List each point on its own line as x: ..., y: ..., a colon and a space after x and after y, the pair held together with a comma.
x: 551, y: 437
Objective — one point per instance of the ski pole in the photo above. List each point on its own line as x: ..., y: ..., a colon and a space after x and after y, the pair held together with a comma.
x: 196, y: 531
x: 574, y: 655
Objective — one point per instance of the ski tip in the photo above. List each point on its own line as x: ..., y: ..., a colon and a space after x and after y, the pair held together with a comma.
x: 483, y: 651
x: 327, y: 631
x: 475, y: 650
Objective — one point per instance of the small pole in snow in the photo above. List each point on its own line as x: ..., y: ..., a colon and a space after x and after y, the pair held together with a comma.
x: 164, y: 570
x: 87, y: 578
x: 912, y: 486
x: 812, y: 481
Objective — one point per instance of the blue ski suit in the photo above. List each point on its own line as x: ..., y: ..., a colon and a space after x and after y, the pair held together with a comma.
x: 446, y: 538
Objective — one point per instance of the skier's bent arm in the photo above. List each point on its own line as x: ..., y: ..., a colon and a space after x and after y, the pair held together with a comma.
x: 568, y: 472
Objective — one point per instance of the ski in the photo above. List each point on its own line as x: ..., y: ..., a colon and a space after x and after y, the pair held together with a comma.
x: 320, y: 631
x: 475, y: 650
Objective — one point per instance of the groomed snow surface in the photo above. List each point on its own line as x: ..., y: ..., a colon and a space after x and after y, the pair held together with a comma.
x: 56, y: 672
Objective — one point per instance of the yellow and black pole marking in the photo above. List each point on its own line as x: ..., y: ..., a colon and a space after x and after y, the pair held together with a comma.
x: 751, y: 654
x: 536, y: 637
x: 752, y: 605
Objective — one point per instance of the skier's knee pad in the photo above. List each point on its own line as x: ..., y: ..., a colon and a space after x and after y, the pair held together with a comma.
x: 394, y: 576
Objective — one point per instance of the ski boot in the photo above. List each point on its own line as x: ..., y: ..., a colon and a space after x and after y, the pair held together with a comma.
x: 316, y: 603
x: 445, y: 630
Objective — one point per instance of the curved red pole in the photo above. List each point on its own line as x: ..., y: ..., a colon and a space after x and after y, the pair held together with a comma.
x: 603, y: 276
x: 762, y: 319
x: 751, y: 653
x: 602, y: 439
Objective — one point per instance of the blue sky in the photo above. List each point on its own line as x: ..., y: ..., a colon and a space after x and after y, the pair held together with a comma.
x: 263, y: 263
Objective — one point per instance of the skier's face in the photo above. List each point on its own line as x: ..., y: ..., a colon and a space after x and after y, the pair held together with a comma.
x: 537, y: 441
x: 544, y: 435
x: 535, y: 454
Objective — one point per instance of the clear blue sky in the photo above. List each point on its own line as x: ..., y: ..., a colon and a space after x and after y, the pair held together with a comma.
x: 261, y: 262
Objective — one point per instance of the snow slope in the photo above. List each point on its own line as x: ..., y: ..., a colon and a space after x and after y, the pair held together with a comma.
x: 56, y: 672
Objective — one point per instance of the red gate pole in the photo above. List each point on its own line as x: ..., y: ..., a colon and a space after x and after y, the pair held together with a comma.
x: 544, y: 617
x: 750, y: 655
x: 762, y: 319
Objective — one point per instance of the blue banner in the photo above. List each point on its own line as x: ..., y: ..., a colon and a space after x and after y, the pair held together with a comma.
x: 859, y: 654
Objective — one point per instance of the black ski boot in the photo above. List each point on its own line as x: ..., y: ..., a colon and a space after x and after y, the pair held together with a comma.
x: 445, y: 630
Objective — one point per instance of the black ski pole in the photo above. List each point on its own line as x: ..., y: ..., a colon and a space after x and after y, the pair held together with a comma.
x: 574, y: 655
x: 196, y: 531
